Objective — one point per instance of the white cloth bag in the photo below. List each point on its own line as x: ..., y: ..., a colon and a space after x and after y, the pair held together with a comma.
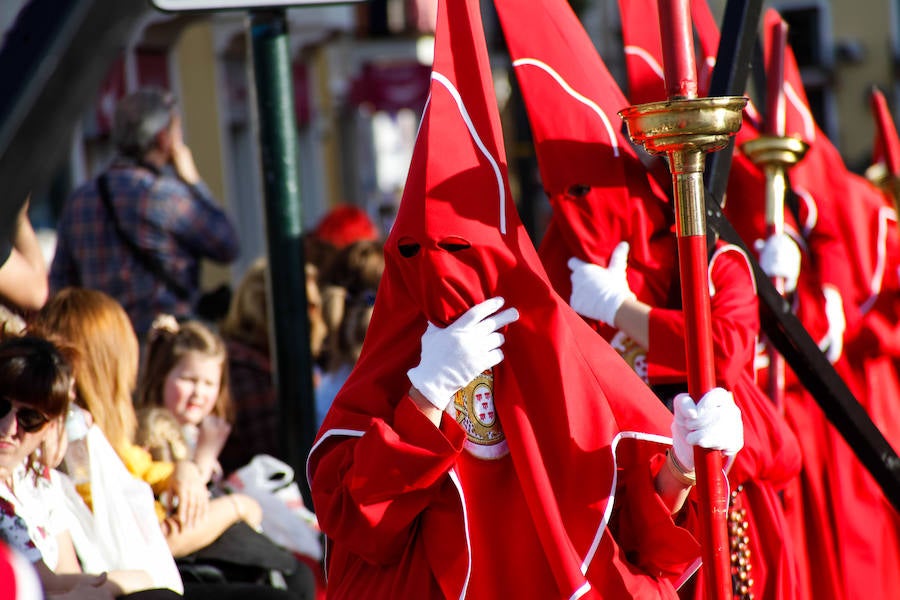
x: 286, y: 521
x: 123, y: 532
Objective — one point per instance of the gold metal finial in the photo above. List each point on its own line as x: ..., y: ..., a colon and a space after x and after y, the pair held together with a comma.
x: 685, y: 130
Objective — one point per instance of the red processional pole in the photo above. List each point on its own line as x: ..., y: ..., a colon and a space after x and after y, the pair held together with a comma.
x: 685, y: 128
x: 775, y: 152
x: 775, y: 126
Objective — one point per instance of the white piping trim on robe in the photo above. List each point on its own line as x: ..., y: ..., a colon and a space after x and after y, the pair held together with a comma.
x: 328, y: 434
x: 719, y: 252
x: 453, y: 477
x: 659, y: 439
x: 424, y: 112
x: 589, y: 557
x: 584, y: 589
x: 812, y: 210
x: 325, y: 436
x: 435, y: 76
x: 809, y: 125
x: 610, y: 132
x: 635, y: 435
x: 885, y: 214
x: 462, y: 499
x: 647, y: 58
x: 688, y: 573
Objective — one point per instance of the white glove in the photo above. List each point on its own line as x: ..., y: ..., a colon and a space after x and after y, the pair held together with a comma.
x: 597, y: 292
x: 455, y: 355
x: 714, y: 423
x: 833, y: 342
x: 779, y: 256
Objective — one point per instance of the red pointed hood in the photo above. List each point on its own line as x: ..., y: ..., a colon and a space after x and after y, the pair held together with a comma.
x: 798, y: 118
x: 643, y: 48
x: 886, y: 148
x: 590, y: 170
x: 456, y: 228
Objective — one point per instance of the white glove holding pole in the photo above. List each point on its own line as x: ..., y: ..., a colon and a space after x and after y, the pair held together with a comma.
x: 833, y: 342
x: 779, y: 256
x: 598, y: 292
x: 713, y: 423
x: 455, y: 355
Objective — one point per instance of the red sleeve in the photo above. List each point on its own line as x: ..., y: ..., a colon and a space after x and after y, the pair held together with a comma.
x: 369, y: 490
x: 735, y: 324
x: 646, y: 531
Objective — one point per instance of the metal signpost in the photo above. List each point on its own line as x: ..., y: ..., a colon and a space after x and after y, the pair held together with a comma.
x: 288, y: 303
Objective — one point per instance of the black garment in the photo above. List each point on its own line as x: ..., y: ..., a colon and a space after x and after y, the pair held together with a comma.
x: 233, y: 591
x: 155, y: 594
x: 243, y: 555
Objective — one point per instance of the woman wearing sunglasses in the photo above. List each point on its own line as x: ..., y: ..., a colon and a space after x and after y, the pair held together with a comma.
x: 36, y: 385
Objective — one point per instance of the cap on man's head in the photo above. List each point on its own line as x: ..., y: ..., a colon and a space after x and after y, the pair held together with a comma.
x: 138, y: 118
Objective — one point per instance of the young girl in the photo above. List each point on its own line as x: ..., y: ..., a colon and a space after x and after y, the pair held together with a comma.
x: 99, y: 329
x: 184, y: 409
x: 183, y: 401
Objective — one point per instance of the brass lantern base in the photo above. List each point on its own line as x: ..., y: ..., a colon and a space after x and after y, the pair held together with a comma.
x: 703, y: 124
x: 773, y: 149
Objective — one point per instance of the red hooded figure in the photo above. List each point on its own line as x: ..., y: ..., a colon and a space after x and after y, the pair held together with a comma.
x: 542, y: 486
x: 602, y: 195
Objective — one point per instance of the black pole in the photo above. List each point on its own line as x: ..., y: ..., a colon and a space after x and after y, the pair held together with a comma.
x: 289, y: 319
x: 729, y: 78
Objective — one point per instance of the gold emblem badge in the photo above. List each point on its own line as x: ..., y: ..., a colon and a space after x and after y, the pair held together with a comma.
x: 633, y: 354
x: 477, y: 415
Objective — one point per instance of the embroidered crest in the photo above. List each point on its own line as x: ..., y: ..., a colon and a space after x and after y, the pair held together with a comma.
x: 476, y: 413
x: 633, y: 354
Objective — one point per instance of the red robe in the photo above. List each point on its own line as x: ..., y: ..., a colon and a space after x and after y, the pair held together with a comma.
x: 869, y: 533
x: 808, y: 500
x: 601, y: 194
x: 771, y: 456
x: 565, y: 506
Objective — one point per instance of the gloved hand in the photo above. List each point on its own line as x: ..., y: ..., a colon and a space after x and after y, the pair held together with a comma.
x: 833, y: 342
x: 455, y: 355
x: 598, y: 292
x: 714, y: 423
x: 779, y: 256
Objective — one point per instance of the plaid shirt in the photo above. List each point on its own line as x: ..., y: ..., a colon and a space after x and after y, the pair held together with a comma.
x: 177, y: 223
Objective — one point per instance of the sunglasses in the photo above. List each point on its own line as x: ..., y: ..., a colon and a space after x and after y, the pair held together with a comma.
x: 28, y: 419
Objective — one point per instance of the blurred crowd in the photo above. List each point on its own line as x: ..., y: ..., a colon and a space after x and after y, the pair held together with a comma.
x: 139, y: 425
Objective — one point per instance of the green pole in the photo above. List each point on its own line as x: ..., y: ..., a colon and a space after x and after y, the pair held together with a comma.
x: 289, y: 319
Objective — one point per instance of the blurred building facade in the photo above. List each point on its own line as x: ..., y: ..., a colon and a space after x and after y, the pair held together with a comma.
x: 360, y: 81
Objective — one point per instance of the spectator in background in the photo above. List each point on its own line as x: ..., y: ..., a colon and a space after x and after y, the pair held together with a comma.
x: 23, y: 273
x: 345, y: 224
x: 139, y: 231
x: 348, y: 297
x: 182, y: 399
x: 36, y: 384
x: 246, y: 333
x: 200, y: 531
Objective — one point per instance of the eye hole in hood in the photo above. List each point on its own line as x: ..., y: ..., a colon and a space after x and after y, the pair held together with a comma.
x: 454, y: 244
x: 408, y: 247
x: 578, y: 190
